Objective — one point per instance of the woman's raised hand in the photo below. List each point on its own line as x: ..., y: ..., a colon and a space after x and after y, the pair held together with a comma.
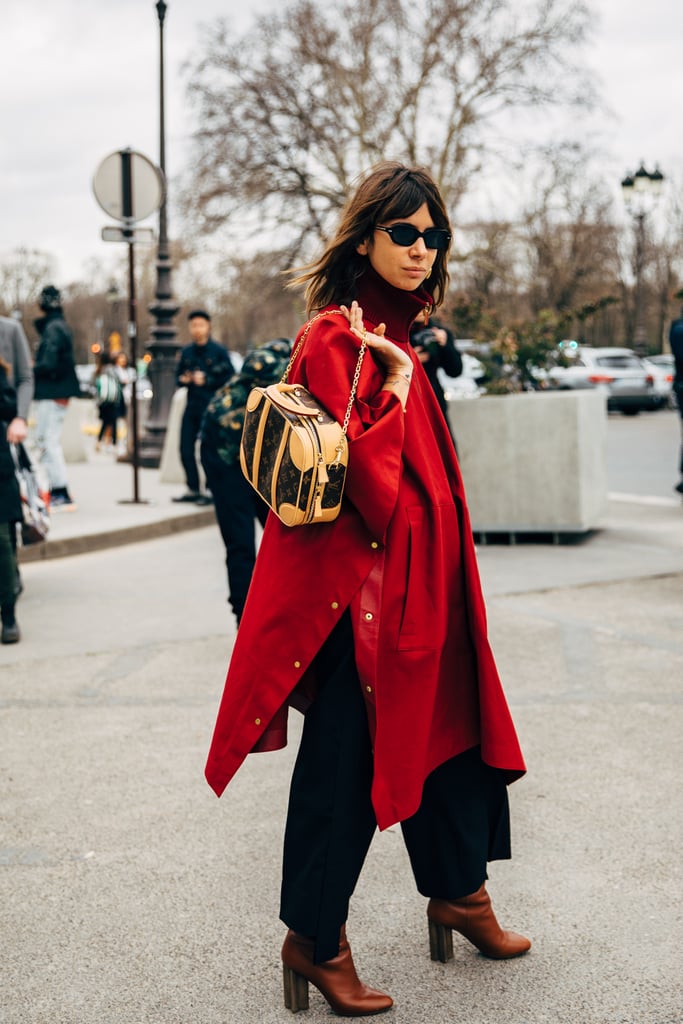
x: 355, y: 317
x: 390, y: 355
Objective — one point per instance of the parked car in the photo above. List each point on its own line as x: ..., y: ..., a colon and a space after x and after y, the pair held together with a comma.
x: 662, y: 370
x: 467, y: 384
x: 619, y: 372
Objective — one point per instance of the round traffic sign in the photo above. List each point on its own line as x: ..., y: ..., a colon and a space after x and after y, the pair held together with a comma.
x: 128, y: 186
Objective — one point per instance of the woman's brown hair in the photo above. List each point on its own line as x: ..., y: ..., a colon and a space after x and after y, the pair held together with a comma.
x: 390, y: 191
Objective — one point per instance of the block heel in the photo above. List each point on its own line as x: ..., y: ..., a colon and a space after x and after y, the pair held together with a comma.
x: 440, y: 942
x: 296, y: 990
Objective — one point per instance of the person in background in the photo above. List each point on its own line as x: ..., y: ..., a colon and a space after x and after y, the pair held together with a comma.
x: 126, y: 375
x: 55, y: 383
x: 15, y: 352
x: 109, y: 398
x: 435, y: 348
x: 204, y: 366
x: 676, y: 345
x: 10, y: 512
x: 236, y: 503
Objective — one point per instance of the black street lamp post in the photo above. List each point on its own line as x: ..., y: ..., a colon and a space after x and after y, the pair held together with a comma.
x: 164, y: 346
x: 641, y: 192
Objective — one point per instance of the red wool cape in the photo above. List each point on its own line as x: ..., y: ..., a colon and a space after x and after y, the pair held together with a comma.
x: 401, y: 557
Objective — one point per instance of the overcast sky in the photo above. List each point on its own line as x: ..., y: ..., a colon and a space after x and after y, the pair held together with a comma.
x: 78, y: 80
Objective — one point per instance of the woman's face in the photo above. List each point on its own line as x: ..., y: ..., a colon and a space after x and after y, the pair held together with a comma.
x: 404, y: 267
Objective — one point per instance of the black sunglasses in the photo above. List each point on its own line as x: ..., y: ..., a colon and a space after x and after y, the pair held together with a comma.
x: 407, y: 234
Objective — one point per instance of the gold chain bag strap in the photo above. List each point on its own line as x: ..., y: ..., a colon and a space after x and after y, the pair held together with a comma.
x: 293, y: 453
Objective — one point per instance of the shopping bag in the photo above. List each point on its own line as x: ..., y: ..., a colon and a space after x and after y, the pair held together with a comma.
x: 35, y: 498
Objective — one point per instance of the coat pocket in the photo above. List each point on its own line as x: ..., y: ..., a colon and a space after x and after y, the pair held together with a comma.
x: 424, y: 618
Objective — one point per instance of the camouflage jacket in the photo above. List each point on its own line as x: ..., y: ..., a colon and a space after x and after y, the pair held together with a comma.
x: 224, y: 417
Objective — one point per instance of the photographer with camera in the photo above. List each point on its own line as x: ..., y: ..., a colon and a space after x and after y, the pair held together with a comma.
x: 435, y: 348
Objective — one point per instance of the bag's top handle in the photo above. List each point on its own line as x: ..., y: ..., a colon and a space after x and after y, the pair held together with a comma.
x: 21, y: 457
x: 356, y: 375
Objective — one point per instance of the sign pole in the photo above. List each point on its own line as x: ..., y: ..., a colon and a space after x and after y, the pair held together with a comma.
x: 127, y: 210
x: 129, y: 187
x: 133, y: 338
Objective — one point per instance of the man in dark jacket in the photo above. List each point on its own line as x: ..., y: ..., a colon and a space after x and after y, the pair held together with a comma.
x: 55, y: 383
x: 204, y: 366
x: 676, y: 344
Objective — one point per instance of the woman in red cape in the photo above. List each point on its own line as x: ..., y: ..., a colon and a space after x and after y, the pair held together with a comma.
x: 374, y: 625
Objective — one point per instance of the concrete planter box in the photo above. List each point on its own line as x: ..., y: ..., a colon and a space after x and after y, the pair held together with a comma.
x: 171, y: 468
x: 533, y: 463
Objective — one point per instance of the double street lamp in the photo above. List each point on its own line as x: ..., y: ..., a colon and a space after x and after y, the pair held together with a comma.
x: 641, y: 192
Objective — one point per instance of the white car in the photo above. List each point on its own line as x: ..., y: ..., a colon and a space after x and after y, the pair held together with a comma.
x: 618, y: 372
x: 466, y: 385
x: 662, y: 370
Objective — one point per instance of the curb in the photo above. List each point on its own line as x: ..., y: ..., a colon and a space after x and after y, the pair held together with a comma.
x: 86, y: 543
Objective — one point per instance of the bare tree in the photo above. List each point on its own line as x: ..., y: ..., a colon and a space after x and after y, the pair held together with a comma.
x: 22, y: 275
x: 254, y: 307
x: 664, y: 269
x: 569, y: 233
x: 651, y: 257
x: 489, y: 271
x: 291, y: 113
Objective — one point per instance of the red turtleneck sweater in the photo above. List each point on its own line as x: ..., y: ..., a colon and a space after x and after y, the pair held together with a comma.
x: 401, y: 558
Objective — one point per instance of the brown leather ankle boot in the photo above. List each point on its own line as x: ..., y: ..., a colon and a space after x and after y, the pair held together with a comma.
x: 473, y: 917
x: 336, y: 979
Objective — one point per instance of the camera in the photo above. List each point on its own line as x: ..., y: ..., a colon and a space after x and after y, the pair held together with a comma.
x: 425, y: 339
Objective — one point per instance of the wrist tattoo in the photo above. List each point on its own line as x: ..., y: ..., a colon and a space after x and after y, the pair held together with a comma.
x: 399, y: 375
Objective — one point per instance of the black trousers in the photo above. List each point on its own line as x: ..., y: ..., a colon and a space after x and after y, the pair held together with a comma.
x: 8, y: 565
x: 237, y: 506
x: 108, y: 416
x: 189, y: 432
x: 462, y: 822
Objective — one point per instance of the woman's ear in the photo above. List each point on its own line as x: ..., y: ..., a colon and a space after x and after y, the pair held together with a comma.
x: 362, y: 248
